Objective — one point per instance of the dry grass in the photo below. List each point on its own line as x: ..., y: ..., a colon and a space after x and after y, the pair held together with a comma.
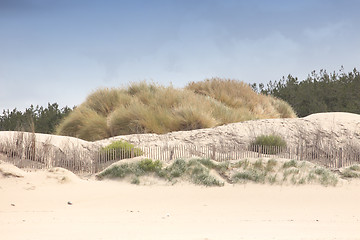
x: 150, y: 108
x: 236, y: 94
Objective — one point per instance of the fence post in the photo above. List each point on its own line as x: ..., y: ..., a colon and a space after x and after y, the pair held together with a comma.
x: 340, y: 162
x: 132, y: 152
x: 97, y: 156
x: 213, y: 152
x: 259, y: 150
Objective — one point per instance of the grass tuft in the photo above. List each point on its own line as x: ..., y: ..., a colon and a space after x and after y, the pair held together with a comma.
x: 290, y: 164
x: 270, y: 140
x: 192, y: 170
x: 326, y: 177
x: 121, y: 150
x: 198, y: 171
x: 351, y: 172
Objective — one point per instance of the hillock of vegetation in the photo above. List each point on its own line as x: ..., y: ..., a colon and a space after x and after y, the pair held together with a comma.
x: 150, y: 108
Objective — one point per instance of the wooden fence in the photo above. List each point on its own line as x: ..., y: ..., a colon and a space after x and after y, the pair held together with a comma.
x: 92, y: 161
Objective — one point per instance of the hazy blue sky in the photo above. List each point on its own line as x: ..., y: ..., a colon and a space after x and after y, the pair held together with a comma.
x: 62, y: 50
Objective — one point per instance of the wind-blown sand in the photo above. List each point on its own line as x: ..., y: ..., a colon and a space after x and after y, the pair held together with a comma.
x: 56, y: 204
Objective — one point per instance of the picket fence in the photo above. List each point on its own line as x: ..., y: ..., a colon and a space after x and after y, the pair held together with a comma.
x: 92, y: 161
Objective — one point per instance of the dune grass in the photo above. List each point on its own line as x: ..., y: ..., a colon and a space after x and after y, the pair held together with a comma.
x: 193, y: 171
x: 351, y: 172
x: 152, y: 108
x: 201, y: 172
x: 237, y: 95
x: 290, y: 172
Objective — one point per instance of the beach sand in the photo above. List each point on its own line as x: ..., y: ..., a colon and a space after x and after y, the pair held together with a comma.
x: 58, y: 205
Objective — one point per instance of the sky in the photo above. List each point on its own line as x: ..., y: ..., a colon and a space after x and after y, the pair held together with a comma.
x: 60, y: 51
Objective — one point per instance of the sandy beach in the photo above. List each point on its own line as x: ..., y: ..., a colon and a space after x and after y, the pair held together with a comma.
x: 58, y: 205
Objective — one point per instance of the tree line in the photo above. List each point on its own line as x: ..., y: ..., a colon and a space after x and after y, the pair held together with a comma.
x: 319, y: 92
x: 34, y: 119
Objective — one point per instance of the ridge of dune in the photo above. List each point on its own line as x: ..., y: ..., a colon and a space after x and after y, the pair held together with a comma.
x: 339, y: 129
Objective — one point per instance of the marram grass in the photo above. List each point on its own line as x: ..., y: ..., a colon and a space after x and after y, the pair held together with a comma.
x: 151, y: 108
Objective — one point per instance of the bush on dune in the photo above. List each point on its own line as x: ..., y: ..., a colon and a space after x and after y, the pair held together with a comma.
x: 121, y: 150
x: 84, y: 123
x: 150, y: 108
x: 236, y: 94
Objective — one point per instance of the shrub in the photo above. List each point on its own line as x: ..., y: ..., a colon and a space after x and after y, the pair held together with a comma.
x: 268, y: 144
x: 269, y: 140
x: 148, y: 165
x: 120, y: 150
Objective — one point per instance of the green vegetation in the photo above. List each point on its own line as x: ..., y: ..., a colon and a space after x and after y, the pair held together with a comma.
x: 34, y: 119
x: 270, y: 165
x: 137, y: 169
x: 121, y: 150
x: 270, y: 144
x: 193, y: 171
x: 221, y: 168
x: 269, y: 140
x: 326, y: 177
x: 150, y: 108
x: 319, y: 92
x: 200, y: 175
x: 249, y: 175
x: 351, y: 172
x: 201, y: 172
x: 290, y: 172
x: 291, y: 163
